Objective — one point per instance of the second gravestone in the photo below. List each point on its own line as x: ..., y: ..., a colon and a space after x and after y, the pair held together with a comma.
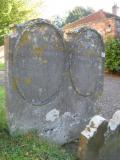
x: 52, y: 83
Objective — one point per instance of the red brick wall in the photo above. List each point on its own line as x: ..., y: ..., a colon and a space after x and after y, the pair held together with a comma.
x: 106, y: 27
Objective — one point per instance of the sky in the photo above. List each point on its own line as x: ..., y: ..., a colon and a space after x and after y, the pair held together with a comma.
x: 51, y: 8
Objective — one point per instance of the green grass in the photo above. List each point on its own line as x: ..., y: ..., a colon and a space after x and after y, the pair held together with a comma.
x: 3, y: 123
x: 28, y: 146
x: 2, y: 66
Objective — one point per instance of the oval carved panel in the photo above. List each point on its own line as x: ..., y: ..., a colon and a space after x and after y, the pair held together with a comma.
x: 86, y: 65
x: 39, y: 63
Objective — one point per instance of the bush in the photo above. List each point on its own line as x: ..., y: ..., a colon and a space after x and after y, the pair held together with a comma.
x: 112, y: 47
x: 1, y: 40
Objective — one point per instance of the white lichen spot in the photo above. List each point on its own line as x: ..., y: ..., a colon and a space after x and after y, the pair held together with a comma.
x: 100, y: 67
x: 103, y: 54
x: 35, y: 41
x: 23, y: 61
x: 33, y: 100
x: 40, y: 90
x: 11, y: 115
x: 92, y: 45
x: 52, y: 115
x: 41, y: 134
x: 88, y: 94
x: 70, y: 87
x: 67, y: 114
x: 115, y: 121
x: 92, y: 127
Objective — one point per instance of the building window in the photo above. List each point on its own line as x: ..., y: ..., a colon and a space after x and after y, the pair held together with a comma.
x: 109, y: 28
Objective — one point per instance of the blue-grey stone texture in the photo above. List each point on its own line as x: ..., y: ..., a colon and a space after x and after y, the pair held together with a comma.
x: 52, y: 79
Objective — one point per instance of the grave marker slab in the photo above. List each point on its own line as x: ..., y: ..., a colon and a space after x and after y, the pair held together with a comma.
x: 52, y: 82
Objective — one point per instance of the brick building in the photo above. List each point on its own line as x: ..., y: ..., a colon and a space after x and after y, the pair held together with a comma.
x: 107, y: 24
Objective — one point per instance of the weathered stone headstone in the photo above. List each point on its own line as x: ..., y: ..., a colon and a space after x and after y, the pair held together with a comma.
x: 111, y: 148
x: 92, y: 138
x: 100, y: 140
x: 86, y: 62
x: 51, y: 84
x: 114, y: 123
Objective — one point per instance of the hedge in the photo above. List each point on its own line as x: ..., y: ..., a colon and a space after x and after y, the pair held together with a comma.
x: 112, y: 47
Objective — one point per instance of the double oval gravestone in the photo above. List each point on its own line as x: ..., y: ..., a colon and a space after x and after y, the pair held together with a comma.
x: 62, y: 82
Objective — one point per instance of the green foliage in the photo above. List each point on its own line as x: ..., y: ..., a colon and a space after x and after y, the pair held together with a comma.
x: 58, y: 21
x: 15, y: 11
x: 112, y: 47
x: 28, y: 146
x: 3, y: 122
x: 2, y: 66
x: 77, y: 13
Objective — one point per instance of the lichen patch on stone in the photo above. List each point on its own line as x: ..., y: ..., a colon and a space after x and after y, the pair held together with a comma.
x: 52, y: 115
x: 91, y: 128
x: 115, y: 121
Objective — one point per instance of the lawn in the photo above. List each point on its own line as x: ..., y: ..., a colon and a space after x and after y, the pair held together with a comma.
x: 28, y: 146
x: 3, y: 123
x: 2, y: 66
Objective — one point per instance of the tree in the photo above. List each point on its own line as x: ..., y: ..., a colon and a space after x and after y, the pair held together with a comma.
x: 58, y: 21
x: 77, y: 13
x: 15, y: 11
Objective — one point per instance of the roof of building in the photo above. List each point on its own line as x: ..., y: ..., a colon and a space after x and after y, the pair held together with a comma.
x: 99, y: 15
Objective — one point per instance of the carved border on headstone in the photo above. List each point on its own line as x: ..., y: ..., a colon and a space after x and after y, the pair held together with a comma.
x: 26, y: 28
x: 101, y: 57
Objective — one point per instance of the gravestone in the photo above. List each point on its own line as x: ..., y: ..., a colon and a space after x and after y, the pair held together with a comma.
x: 92, y: 139
x: 111, y: 148
x: 100, y: 140
x: 52, y: 82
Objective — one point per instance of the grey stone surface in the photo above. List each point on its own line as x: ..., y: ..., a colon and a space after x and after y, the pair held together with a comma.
x: 92, y: 138
x: 114, y: 123
x: 101, y: 139
x: 86, y: 62
x: 109, y: 102
x: 52, y: 85
x: 111, y: 147
x: 2, y: 78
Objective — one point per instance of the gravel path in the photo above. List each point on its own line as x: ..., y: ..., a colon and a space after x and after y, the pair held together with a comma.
x: 110, y: 100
